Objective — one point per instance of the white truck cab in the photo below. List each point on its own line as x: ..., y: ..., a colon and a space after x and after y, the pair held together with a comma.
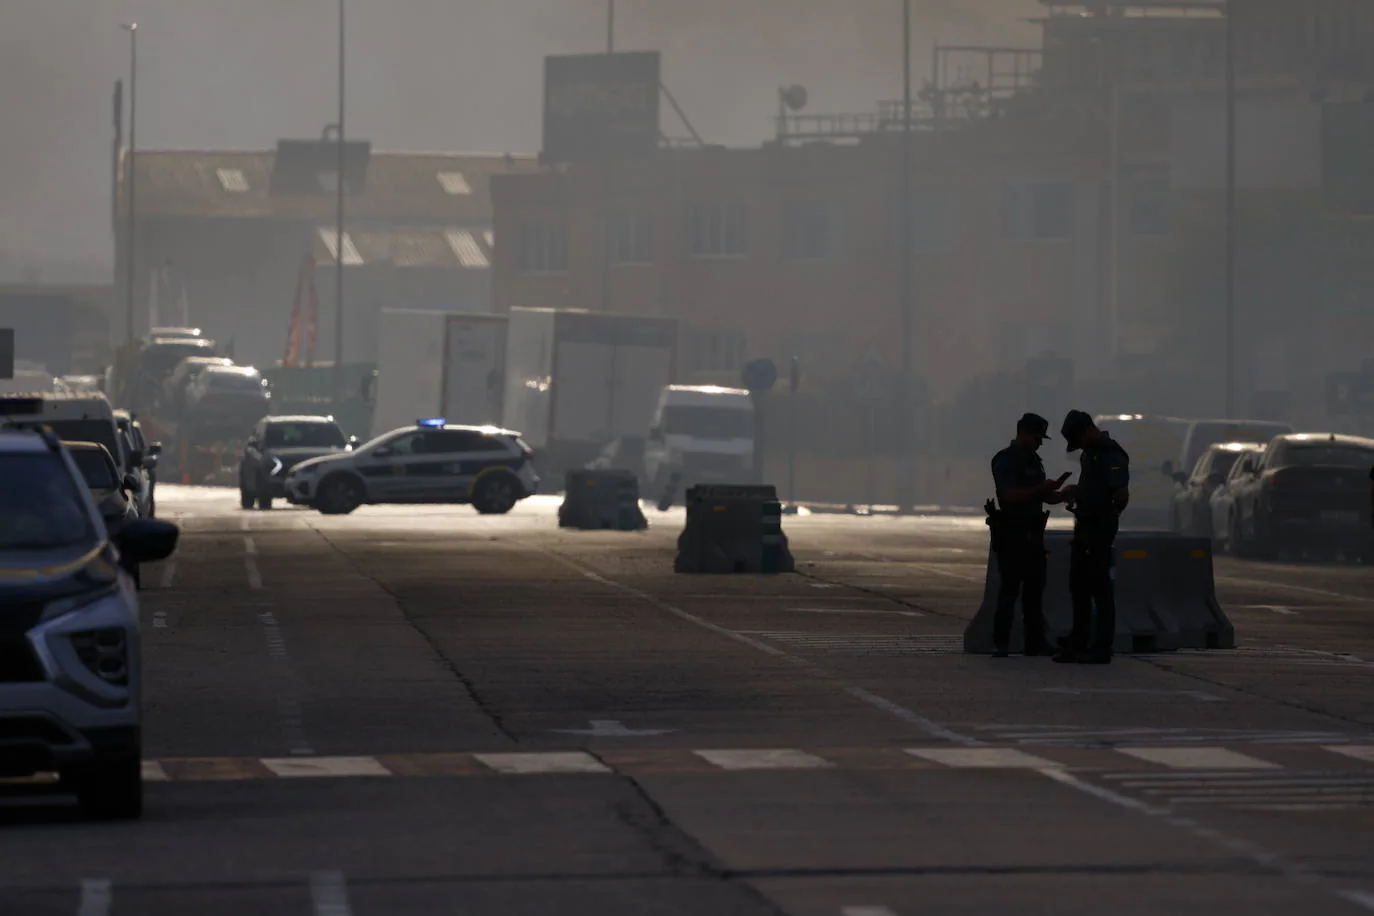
x: 702, y: 432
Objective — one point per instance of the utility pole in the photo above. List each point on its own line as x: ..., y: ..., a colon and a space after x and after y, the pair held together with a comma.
x: 905, y: 433
x: 339, y: 229
x: 1230, y: 210
x: 130, y: 245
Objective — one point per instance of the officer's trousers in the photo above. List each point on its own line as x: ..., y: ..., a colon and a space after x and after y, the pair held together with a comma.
x: 1091, y: 585
x: 1021, y: 568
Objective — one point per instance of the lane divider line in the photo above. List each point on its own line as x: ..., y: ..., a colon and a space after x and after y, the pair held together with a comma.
x: 928, y: 726
x: 288, y: 707
x: 96, y: 897
x: 169, y: 572
x: 250, y: 553
x: 329, y: 894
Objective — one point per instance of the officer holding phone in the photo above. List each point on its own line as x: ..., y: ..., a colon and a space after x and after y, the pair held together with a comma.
x: 1018, y: 535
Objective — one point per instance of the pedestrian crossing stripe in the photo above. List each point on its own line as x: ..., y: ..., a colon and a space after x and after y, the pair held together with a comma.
x: 1144, y: 764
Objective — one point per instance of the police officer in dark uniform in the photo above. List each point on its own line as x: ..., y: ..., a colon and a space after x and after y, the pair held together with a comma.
x: 1097, y: 501
x: 1018, y: 535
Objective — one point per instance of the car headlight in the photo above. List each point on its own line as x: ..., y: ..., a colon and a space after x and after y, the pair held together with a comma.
x: 105, y: 653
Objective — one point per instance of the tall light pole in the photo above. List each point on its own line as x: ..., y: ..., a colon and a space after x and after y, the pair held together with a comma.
x: 905, y: 433
x: 339, y: 227
x: 130, y: 244
x: 1230, y: 211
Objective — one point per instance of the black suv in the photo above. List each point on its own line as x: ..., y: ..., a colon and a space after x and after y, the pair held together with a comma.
x: 276, y: 446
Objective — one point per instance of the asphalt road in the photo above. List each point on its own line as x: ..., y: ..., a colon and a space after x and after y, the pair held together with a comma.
x: 421, y: 711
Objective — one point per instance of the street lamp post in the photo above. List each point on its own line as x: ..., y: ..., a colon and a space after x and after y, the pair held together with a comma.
x: 132, y: 174
x: 339, y: 227
x: 905, y: 433
x: 1230, y: 211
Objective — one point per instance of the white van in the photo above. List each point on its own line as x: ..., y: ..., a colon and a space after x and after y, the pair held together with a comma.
x: 1152, y: 443
x: 84, y: 416
x: 703, y: 432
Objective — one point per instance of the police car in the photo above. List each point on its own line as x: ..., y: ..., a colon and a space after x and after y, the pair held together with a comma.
x: 430, y: 462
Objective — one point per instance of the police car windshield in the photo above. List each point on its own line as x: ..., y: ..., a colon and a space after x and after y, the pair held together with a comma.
x: 40, y: 505
x: 95, y: 468
x: 708, y: 422
x: 303, y: 435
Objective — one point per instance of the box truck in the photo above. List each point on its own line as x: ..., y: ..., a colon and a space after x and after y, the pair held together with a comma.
x: 577, y: 380
x: 439, y: 364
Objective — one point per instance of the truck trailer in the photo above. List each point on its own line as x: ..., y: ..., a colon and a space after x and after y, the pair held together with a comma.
x: 577, y: 380
x: 439, y: 364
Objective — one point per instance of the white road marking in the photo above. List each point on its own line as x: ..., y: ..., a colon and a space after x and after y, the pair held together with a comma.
x: 612, y: 728
x: 1199, y: 758
x: 96, y: 897
x: 321, y: 767
x: 866, y: 911
x: 1359, y: 752
x: 289, y: 708
x: 1251, y: 583
x: 852, y: 610
x: 1360, y: 898
x: 1193, y: 694
x: 543, y: 762
x: 329, y: 894
x: 982, y: 757
x: 153, y: 772
x: 244, y: 519
x: 1276, y: 608
x: 901, y: 712
x: 159, y: 620
x: 764, y: 759
x: 169, y: 573
x: 250, y: 562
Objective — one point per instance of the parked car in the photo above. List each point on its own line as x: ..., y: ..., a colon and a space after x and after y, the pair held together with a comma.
x: 1223, y: 501
x: 69, y: 637
x: 114, y: 496
x: 143, y: 459
x: 276, y: 446
x: 1203, y: 433
x: 1305, y: 490
x: 1192, y: 510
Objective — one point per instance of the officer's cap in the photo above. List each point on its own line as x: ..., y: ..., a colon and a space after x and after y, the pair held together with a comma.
x: 1076, y: 422
x: 1034, y: 424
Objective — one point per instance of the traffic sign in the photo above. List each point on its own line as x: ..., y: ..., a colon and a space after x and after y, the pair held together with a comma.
x: 759, y: 374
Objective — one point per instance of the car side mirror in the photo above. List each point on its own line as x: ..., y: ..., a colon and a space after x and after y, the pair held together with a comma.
x: 131, y: 481
x: 155, y: 449
x: 147, y: 540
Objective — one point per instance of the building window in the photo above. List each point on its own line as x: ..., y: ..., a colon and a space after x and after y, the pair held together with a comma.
x: 809, y: 230
x: 543, y: 248
x: 717, y: 230
x: 630, y: 238
x: 1037, y: 211
x: 933, y: 223
x: 1149, y: 206
x: 715, y: 351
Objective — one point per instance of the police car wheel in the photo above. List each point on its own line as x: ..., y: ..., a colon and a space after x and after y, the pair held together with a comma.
x: 338, y: 496
x: 495, y: 494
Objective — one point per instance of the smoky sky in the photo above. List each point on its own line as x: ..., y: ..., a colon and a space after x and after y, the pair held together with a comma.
x: 421, y: 75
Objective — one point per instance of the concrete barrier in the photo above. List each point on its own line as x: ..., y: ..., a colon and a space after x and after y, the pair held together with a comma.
x: 733, y: 529
x: 601, y: 500
x: 1165, y: 596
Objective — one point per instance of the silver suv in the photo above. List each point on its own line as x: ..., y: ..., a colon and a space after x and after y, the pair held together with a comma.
x: 69, y: 643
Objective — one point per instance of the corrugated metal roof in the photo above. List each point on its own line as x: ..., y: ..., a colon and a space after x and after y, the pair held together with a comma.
x: 400, y: 186
x: 407, y: 247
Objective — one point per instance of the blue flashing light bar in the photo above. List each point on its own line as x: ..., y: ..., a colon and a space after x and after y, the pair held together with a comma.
x: 433, y: 422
